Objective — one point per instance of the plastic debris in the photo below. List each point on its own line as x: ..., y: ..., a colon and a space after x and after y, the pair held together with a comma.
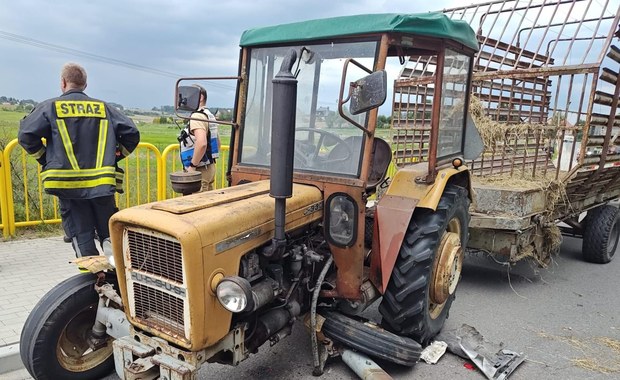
x: 433, y: 352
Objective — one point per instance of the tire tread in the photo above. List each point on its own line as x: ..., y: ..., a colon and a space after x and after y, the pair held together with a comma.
x: 403, y: 306
x: 374, y: 342
x: 598, y: 228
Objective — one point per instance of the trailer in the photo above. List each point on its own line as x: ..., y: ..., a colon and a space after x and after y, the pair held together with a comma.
x: 544, y: 99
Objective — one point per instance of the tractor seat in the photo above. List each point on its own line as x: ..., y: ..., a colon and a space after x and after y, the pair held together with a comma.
x: 380, y: 161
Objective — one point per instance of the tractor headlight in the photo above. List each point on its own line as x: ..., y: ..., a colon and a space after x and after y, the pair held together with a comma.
x: 341, y: 219
x: 235, y: 294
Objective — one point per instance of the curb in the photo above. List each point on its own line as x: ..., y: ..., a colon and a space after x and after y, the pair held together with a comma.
x: 9, y: 358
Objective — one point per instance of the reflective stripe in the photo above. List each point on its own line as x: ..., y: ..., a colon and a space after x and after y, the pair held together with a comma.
x: 38, y: 154
x: 69, y: 173
x: 79, y: 108
x: 79, y: 184
x: 124, y: 151
x: 66, y: 141
x: 103, y: 137
x: 76, y: 247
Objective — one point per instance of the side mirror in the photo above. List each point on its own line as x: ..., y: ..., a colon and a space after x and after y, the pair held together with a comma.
x: 188, y: 98
x: 368, y: 92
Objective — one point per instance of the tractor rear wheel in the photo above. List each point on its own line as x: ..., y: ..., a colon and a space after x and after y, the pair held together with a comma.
x: 424, y: 279
x: 601, y: 234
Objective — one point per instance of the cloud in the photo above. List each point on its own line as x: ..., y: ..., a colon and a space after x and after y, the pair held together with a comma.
x: 186, y: 38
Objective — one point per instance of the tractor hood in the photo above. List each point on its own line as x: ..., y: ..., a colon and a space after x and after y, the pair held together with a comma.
x: 169, y: 252
x: 220, y: 215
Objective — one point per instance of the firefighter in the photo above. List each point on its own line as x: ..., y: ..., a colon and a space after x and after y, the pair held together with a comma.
x: 79, y: 158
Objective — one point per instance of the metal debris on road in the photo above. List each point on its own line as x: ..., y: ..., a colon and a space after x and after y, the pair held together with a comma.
x: 493, y: 360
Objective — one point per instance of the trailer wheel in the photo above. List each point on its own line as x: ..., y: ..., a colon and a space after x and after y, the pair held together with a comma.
x: 371, y: 339
x: 53, y: 343
x: 424, y: 279
x: 601, y: 234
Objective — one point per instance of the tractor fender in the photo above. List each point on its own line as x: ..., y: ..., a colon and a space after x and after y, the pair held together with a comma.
x: 395, y: 209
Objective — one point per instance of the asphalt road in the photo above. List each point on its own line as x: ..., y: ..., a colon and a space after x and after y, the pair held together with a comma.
x: 563, y: 318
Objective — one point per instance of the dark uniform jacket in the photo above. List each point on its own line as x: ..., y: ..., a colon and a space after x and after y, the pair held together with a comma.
x: 82, y: 137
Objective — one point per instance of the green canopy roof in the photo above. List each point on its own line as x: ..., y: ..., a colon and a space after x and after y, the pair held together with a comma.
x: 425, y: 24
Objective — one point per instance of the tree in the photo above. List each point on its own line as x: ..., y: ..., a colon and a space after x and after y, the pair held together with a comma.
x: 384, y: 121
x: 225, y: 114
x: 333, y: 120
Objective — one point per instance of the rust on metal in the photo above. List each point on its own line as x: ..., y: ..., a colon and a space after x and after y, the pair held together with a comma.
x: 349, y: 260
x: 447, y: 268
x: 392, y: 218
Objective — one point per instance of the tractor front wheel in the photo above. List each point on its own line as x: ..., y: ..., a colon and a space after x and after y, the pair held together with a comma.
x: 424, y: 279
x: 371, y: 339
x: 55, y: 339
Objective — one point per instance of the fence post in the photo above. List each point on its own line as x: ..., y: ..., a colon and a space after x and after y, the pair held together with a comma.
x: 9, y: 228
x: 164, y: 167
x: 7, y: 206
x: 3, y: 202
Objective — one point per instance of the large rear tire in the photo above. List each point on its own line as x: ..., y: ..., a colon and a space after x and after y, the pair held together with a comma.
x: 424, y: 279
x: 371, y: 339
x: 53, y: 343
x: 601, y: 234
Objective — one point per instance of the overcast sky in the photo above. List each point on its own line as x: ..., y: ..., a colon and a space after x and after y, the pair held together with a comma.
x: 175, y: 38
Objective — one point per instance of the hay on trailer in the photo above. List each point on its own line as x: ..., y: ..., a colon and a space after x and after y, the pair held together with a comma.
x: 496, y: 137
x: 493, y: 132
x: 552, y: 238
x: 519, y: 178
x: 555, y: 190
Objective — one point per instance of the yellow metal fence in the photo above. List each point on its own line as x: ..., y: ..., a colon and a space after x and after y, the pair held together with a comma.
x: 24, y: 203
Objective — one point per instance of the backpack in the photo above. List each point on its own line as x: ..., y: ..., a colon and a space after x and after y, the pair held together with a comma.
x: 186, y: 145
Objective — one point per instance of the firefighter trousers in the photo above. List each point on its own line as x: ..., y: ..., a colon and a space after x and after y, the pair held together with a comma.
x: 83, y: 217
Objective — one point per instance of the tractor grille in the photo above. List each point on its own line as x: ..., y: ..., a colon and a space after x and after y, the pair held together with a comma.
x: 159, y: 310
x: 156, y: 255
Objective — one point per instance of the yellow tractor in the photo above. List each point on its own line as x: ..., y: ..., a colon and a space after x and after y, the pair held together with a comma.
x: 311, y: 228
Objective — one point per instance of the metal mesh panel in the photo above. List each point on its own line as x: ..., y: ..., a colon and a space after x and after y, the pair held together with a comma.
x: 152, y: 254
x: 412, y: 110
x: 159, y: 310
x: 550, y: 68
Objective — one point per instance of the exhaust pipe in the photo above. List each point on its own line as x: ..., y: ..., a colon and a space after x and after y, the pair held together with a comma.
x: 282, y: 146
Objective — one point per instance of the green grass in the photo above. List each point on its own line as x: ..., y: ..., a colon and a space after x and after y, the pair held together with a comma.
x: 32, y: 204
x: 160, y: 135
x: 9, y: 124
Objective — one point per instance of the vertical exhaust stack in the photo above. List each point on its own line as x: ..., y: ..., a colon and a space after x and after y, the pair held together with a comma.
x: 282, y: 146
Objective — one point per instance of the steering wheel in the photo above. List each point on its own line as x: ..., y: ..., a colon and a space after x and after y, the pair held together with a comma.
x: 307, y: 154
